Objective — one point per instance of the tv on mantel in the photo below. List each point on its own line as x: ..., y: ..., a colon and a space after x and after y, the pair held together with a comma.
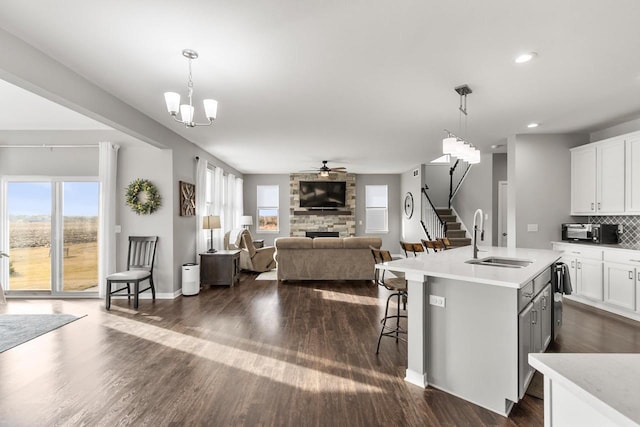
x: 323, y: 194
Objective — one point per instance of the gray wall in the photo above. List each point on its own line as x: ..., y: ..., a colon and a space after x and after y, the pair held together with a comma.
x: 622, y: 128
x: 539, y: 175
x: 476, y: 193
x: 437, y: 179
x: 49, y: 162
x: 411, y: 229
x: 251, y: 181
x: 155, y: 165
x: 395, y: 196
x: 499, y: 174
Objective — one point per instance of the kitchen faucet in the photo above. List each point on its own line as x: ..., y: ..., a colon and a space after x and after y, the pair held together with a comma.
x: 475, y: 231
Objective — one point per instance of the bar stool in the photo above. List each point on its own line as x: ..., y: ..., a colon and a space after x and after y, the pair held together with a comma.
x: 411, y: 247
x: 398, y: 287
x: 434, y: 245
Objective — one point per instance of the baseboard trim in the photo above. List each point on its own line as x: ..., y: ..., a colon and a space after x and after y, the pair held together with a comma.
x: 416, y: 378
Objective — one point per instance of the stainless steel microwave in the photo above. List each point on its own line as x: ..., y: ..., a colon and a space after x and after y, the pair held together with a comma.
x: 594, y: 233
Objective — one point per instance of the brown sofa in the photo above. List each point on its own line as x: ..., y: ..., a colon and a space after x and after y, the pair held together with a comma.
x: 325, y: 258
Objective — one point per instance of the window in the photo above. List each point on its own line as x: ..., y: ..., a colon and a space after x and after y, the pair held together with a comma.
x: 377, y: 212
x: 268, y: 204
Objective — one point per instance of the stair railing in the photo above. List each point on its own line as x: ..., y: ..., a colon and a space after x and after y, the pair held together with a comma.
x: 459, y: 177
x: 431, y: 220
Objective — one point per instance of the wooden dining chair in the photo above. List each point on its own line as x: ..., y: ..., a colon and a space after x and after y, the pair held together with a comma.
x: 140, y: 260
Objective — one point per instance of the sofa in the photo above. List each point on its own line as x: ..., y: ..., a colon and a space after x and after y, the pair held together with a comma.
x: 251, y: 258
x: 325, y: 258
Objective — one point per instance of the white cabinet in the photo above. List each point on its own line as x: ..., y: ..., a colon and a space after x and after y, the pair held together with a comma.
x: 585, y: 269
x: 599, y: 180
x: 610, y: 179
x: 632, y: 185
x: 525, y: 371
x: 604, y: 277
x: 583, y: 180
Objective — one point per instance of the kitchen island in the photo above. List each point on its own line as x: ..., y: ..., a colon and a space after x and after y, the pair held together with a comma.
x: 471, y: 326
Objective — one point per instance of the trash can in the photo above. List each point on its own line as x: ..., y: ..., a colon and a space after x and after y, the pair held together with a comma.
x: 190, y: 279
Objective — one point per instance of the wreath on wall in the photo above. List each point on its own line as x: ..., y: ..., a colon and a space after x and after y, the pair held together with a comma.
x: 142, y: 197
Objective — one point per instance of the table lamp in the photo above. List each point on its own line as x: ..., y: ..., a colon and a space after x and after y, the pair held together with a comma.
x: 211, y: 222
x: 246, y: 221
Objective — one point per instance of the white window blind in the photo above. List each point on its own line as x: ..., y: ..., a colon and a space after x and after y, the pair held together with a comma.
x: 268, y: 203
x: 377, y: 210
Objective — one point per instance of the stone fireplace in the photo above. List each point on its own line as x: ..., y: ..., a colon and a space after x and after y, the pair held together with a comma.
x: 340, y: 220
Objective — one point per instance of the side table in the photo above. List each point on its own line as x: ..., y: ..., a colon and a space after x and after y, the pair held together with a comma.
x: 221, y: 268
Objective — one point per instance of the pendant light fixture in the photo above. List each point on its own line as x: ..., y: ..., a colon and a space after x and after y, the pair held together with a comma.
x: 456, y: 146
x: 186, y: 110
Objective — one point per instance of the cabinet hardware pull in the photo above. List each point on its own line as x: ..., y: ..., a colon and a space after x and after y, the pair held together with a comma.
x: 527, y: 295
x: 634, y: 260
x: 544, y: 302
x: 631, y: 275
x: 592, y: 206
x: 534, y: 314
x: 638, y: 276
x: 576, y: 252
x: 579, y: 264
x: 599, y: 206
x: 573, y: 264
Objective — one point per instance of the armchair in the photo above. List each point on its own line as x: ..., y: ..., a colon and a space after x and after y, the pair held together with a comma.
x: 251, y: 258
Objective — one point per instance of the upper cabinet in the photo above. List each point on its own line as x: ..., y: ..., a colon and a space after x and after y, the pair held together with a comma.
x: 602, y: 177
x: 632, y: 199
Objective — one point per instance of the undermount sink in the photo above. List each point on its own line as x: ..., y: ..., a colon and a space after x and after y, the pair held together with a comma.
x: 501, y: 262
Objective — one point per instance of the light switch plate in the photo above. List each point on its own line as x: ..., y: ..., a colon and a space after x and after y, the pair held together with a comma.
x: 437, y: 300
x: 117, y: 229
x: 532, y: 227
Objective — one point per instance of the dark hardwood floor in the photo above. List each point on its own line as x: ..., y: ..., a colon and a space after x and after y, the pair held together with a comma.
x: 258, y: 354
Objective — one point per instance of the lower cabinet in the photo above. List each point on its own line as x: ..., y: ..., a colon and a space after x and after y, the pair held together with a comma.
x: 589, y: 278
x: 620, y: 284
x: 534, y: 328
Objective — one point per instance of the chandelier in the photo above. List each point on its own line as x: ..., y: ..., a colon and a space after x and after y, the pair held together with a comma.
x: 186, y: 110
x: 456, y: 146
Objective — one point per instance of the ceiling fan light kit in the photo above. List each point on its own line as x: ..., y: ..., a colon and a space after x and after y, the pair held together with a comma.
x: 172, y: 99
x: 456, y: 146
x: 324, y: 171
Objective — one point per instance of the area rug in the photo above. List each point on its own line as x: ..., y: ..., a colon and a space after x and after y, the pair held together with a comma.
x: 16, y: 329
x: 268, y: 275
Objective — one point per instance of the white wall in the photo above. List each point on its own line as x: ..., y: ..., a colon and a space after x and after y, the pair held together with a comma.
x: 412, y: 230
x: 622, y: 128
x: 436, y: 177
x: 251, y: 181
x: 390, y: 240
x: 539, y: 175
x: 476, y: 193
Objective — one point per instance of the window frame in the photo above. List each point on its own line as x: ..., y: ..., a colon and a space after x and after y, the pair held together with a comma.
x: 368, y: 208
x: 274, y: 208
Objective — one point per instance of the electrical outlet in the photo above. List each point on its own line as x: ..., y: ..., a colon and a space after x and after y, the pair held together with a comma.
x: 436, y: 300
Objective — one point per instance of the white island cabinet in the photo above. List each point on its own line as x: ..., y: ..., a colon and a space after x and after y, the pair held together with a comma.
x: 473, y: 342
x: 590, y: 389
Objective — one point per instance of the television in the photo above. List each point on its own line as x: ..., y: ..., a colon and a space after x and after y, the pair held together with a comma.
x: 323, y: 194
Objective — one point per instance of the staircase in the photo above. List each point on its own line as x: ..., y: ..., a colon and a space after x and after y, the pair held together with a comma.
x: 456, y: 236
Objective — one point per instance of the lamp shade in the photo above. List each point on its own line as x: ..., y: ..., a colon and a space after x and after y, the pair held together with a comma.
x: 210, y: 222
x: 246, y: 220
x: 173, y: 102
x: 449, y: 145
x: 210, y: 108
x: 475, y: 157
x: 186, y: 113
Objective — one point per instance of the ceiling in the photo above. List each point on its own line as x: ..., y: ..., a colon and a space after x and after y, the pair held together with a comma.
x: 368, y: 85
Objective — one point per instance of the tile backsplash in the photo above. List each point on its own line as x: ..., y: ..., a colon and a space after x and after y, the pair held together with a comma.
x: 631, y: 234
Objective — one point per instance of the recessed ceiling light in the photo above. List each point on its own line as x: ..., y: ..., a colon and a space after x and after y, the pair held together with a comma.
x: 525, y: 57
x: 494, y: 146
x: 532, y: 125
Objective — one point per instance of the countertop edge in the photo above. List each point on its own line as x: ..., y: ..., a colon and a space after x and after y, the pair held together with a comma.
x: 538, y: 362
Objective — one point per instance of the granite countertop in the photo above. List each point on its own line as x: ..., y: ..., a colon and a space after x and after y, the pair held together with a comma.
x: 620, y: 246
x: 450, y: 264
x: 610, y: 383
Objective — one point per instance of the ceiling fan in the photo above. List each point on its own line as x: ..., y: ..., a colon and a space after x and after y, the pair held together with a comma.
x: 325, y: 170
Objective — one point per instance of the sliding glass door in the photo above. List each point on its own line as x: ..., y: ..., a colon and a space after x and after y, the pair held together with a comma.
x: 51, y: 231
